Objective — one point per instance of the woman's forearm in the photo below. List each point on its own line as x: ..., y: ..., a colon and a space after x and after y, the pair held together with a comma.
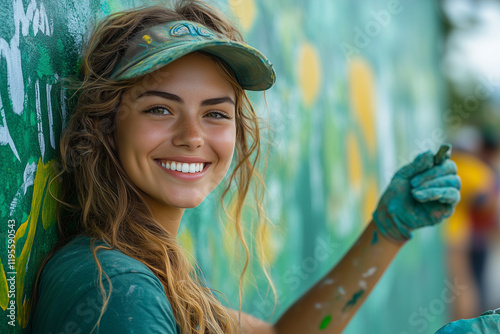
x: 329, y: 305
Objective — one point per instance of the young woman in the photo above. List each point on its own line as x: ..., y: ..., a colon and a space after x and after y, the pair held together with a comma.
x: 161, y: 113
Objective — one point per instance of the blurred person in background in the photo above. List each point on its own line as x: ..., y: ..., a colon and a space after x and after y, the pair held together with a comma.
x: 471, y: 231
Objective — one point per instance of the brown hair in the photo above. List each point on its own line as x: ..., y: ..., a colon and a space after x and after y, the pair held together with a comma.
x: 107, y: 204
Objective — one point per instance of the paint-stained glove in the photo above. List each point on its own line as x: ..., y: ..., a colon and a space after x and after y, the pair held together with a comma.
x: 487, y: 323
x: 422, y: 193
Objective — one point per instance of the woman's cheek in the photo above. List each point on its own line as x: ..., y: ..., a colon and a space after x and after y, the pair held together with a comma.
x: 226, y: 143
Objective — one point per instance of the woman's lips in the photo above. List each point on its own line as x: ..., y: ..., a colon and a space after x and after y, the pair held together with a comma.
x: 184, y: 170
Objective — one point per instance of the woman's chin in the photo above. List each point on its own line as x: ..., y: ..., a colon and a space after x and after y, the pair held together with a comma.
x: 180, y: 201
x: 189, y: 203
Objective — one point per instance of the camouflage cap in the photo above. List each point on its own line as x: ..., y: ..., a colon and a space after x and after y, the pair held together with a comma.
x: 160, y: 45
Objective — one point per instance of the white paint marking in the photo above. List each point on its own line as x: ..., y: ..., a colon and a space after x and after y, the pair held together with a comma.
x: 328, y: 281
x: 131, y: 290
x: 370, y: 272
x: 5, y: 138
x: 38, y: 108
x: 48, y: 89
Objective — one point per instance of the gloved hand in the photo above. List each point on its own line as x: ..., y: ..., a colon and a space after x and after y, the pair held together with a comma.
x: 487, y: 323
x: 422, y: 193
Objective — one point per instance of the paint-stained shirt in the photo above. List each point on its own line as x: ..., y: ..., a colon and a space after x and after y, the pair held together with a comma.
x: 70, y: 299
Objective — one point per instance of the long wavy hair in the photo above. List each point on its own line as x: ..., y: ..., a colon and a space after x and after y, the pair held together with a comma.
x: 99, y: 199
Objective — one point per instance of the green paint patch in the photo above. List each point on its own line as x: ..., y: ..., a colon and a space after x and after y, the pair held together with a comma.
x: 375, y: 237
x: 325, y: 322
x: 353, y: 300
x: 4, y: 205
x: 60, y: 48
x: 44, y: 66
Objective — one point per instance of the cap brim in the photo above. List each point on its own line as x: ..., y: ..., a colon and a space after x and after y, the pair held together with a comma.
x: 252, y: 69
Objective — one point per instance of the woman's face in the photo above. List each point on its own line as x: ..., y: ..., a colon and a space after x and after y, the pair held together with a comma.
x: 175, y: 138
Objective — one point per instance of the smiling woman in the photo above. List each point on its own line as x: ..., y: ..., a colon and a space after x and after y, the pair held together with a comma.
x: 162, y: 111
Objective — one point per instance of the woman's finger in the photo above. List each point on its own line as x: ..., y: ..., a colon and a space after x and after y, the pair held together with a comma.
x: 422, y: 162
x: 451, y: 180
x: 448, y: 167
x: 443, y: 195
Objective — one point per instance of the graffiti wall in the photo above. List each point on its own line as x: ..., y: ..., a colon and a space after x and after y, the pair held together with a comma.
x: 357, y: 96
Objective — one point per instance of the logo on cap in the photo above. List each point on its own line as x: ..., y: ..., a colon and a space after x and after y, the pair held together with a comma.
x: 181, y: 29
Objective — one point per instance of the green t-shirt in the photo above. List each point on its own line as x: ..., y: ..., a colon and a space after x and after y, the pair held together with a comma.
x: 70, y: 299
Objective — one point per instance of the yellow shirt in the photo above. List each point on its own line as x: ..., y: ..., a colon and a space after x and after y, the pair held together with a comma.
x: 477, y: 178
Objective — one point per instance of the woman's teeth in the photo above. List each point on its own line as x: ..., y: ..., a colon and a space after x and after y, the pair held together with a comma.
x: 183, y: 167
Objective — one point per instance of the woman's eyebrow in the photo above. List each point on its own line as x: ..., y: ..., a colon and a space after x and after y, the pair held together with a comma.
x: 217, y: 100
x: 165, y: 95
x: 176, y: 98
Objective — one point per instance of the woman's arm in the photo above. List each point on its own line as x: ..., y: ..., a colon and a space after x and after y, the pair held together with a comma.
x: 422, y: 193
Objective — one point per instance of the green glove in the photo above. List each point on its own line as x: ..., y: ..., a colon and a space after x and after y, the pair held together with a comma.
x: 422, y: 193
x: 487, y: 323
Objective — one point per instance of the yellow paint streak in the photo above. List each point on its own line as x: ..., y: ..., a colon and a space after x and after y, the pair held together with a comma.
x: 185, y: 239
x: 267, y: 250
x: 229, y: 237
x: 233, y: 248
x: 21, y: 230
x: 354, y: 161
x: 4, y: 288
x: 246, y: 12
x: 362, y: 95
x: 49, y: 205
x: 44, y: 172
x: 147, y: 38
x: 309, y: 73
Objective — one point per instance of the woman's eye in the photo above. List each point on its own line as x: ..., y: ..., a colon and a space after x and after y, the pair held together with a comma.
x: 158, y: 111
x: 217, y: 114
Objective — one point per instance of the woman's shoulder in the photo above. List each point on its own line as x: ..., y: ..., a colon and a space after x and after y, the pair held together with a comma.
x: 76, y: 258
x: 71, y: 295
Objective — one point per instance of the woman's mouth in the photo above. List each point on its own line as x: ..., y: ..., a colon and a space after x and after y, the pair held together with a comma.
x: 183, y: 167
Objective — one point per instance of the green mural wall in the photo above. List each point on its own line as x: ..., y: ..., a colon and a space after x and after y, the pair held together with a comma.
x: 358, y: 95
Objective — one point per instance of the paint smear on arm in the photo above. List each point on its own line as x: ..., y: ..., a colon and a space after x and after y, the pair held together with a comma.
x: 353, y: 300
x: 325, y: 322
x: 370, y: 272
x: 375, y: 238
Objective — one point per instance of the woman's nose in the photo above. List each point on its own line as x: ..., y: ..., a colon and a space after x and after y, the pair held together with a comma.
x: 188, y: 133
